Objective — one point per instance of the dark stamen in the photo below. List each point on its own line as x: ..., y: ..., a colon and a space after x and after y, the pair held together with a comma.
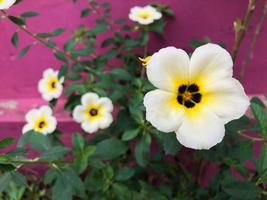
x: 182, y: 89
x: 193, y: 88
x: 196, y: 97
x: 189, y: 104
x: 93, y: 112
x: 41, y: 124
x: 53, y: 84
x: 180, y: 99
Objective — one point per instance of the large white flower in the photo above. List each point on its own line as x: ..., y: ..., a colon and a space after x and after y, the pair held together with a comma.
x: 144, y: 15
x: 50, y: 86
x: 5, y: 4
x: 195, y: 97
x: 94, y: 113
x: 40, y: 120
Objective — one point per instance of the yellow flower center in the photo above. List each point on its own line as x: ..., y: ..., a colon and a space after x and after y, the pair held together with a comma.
x: 93, y: 112
x: 189, y: 95
x: 2, y: 1
x: 144, y: 14
x: 52, y: 84
x: 40, y: 124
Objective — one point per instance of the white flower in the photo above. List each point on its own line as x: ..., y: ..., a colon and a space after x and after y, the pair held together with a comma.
x: 94, y: 113
x: 195, y: 97
x: 40, y: 120
x: 5, y: 4
x: 144, y: 15
x: 50, y: 86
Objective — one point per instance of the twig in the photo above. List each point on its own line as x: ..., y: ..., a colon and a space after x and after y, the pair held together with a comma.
x: 254, y: 139
x: 253, y: 42
x: 55, y: 49
x: 242, y: 27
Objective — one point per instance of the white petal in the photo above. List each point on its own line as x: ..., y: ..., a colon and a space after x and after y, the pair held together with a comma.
x: 227, y: 99
x: 200, y: 129
x: 163, y: 111
x: 90, y: 127
x: 78, y: 114
x: 145, y: 21
x: 47, y: 96
x: 209, y: 63
x: 42, y: 86
x: 105, y: 121
x: 52, y: 124
x: 7, y: 4
x: 89, y: 98
x: 57, y: 93
x: 106, y: 104
x: 45, y: 110
x: 49, y: 72
x: 32, y: 115
x: 168, y: 69
x: 26, y: 128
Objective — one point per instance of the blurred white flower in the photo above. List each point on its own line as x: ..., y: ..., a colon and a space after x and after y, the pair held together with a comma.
x: 5, y: 4
x: 94, y: 113
x: 144, y: 15
x: 40, y: 120
x: 195, y: 97
x: 50, y: 86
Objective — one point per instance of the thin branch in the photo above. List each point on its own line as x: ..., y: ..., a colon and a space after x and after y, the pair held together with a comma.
x: 24, y: 29
x: 242, y: 27
x: 253, y: 42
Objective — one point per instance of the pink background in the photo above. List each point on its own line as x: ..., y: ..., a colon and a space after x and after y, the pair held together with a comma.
x: 194, y: 20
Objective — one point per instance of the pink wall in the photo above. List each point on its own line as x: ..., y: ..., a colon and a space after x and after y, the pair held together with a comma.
x: 194, y: 19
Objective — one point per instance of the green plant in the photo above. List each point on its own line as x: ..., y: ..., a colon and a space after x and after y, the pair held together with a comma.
x: 130, y: 159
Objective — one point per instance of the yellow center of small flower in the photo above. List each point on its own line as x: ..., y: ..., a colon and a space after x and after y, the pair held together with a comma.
x: 2, y: 1
x: 144, y: 14
x: 189, y: 95
x: 52, y: 84
x: 40, y: 124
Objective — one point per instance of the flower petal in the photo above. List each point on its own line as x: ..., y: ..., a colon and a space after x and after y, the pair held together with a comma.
x: 200, y: 129
x: 210, y: 63
x: 78, y: 114
x: 31, y: 115
x: 168, y: 68
x: 52, y: 124
x: 106, y: 104
x: 26, y: 128
x: 227, y: 99
x: 45, y: 110
x: 90, y: 127
x: 89, y: 98
x: 105, y: 121
x: 163, y: 111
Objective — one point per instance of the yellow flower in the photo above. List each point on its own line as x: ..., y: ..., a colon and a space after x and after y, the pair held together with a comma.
x: 94, y: 113
x: 145, y: 60
x: 195, y: 97
x: 40, y: 120
x: 5, y: 4
x: 144, y: 15
x: 50, y: 86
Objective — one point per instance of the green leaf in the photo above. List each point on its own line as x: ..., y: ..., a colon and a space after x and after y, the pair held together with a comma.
x: 29, y: 14
x: 242, y: 190
x: 19, y: 179
x: 6, y: 142
x: 262, y: 162
x: 80, y: 88
x: 141, y: 150
x: 24, y: 51
x: 170, y: 144
x: 110, y: 149
x: 4, y: 181
x: 78, y: 142
x: 55, y: 153
x: 130, y: 134
x: 120, y: 74
x: 157, y: 26
x: 37, y: 141
x: 15, y: 39
x: 63, y: 71
x: 124, y: 174
x: 83, y: 52
x: 258, y: 110
x: 85, y: 12
x: 70, y: 44
x: 81, y: 158
x: 58, y: 32
x: 17, y: 20
x: 60, y: 56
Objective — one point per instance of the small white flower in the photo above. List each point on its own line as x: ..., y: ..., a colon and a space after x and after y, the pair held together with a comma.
x: 195, y: 97
x: 40, y: 120
x: 5, y: 4
x: 144, y: 15
x: 50, y: 86
x: 94, y: 113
